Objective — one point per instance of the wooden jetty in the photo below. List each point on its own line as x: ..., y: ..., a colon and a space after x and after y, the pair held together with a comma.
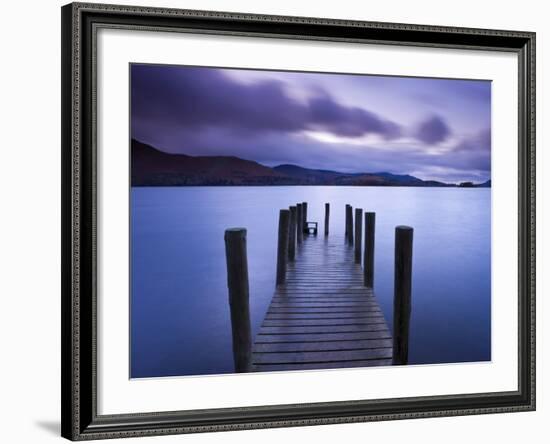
x: 323, y: 313
x: 322, y: 316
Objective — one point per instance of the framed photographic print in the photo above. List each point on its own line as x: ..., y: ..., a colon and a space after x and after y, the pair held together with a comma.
x: 280, y: 221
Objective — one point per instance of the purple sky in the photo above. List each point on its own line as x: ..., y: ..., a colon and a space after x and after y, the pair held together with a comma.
x: 431, y: 128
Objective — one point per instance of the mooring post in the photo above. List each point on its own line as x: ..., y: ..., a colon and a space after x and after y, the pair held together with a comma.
x: 358, y: 234
x: 304, y: 216
x: 237, y: 284
x: 299, y: 220
x: 282, y: 246
x: 349, y: 220
x: 292, y: 234
x: 327, y: 214
x: 402, y: 294
x: 346, y: 223
x: 368, y: 269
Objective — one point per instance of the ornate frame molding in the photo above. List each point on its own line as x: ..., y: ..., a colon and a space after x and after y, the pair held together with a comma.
x: 80, y: 22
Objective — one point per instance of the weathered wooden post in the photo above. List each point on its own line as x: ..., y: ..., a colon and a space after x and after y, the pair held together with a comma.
x: 368, y: 269
x: 358, y: 234
x: 299, y: 226
x: 402, y: 294
x: 292, y: 234
x: 304, y: 216
x: 282, y: 246
x: 349, y: 220
x: 237, y: 284
x: 327, y: 214
x: 346, y: 223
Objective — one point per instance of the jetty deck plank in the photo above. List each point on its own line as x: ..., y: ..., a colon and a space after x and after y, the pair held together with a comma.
x: 322, y: 316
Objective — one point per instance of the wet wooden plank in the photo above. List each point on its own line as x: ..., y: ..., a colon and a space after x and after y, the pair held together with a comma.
x: 321, y: 366
x: 323, y: 337
x: 323, y: 322
x: 304, y: 298
x: 323, y: 329
x: 318, y: 357
x: 322, y: 304
x: 283, y: 309
x: 360, y: 344
x: 323, y: 315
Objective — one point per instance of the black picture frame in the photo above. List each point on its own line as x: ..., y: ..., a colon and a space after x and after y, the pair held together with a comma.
x: 80, y: 420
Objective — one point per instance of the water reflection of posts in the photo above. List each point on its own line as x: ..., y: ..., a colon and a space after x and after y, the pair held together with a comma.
x: 237, y: 284
x: 282, y: 246
x: 368, y: 268
x: 402, y: 294
x: 327, y: 214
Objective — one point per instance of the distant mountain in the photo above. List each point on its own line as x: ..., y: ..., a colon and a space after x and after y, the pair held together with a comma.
x: 475, y: 185
x: 387, y: 179
x: 306, y: 176
x: 404, y: 178
x: 484, y: 184
x: 151, y: 167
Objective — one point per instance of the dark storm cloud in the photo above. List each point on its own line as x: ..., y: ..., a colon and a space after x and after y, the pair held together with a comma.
x: 480, y: 142
x: 349, y: 121
x: 198, y: 97
x: 279, y: 117
x: 194, y: 97
x: 433, y: 130
x: 475, y: 150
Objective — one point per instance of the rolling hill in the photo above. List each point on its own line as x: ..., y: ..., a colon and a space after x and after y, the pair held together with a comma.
x: 152, y: 167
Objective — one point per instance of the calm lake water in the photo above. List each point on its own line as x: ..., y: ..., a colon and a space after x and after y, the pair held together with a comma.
x: 180, y: 322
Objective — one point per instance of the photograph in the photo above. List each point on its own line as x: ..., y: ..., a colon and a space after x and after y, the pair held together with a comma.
x: 304, y: 221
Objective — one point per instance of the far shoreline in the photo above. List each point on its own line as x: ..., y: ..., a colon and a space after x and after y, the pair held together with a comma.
x: 308, y: 185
